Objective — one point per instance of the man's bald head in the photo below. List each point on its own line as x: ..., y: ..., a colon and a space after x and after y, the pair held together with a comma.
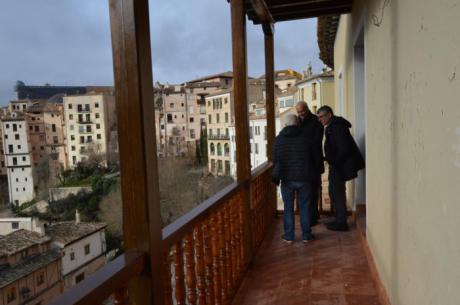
x: 302, y: 109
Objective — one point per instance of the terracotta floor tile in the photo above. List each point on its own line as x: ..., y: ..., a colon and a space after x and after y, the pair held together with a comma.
x: 332, y: 270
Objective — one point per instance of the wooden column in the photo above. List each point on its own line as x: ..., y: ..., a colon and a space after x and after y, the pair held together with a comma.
x: 270, y: 86
x: 269, y: 32
x: 240, y: 97
x: 142, y: 225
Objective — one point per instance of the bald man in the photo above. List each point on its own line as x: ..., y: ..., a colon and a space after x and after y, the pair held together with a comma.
x: 312, y: 129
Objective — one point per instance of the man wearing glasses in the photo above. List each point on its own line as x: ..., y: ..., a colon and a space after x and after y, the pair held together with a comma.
x: 345, y: 160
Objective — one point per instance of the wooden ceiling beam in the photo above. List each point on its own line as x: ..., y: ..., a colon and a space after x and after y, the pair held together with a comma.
x: 261, y: 10
x: 312, y: 14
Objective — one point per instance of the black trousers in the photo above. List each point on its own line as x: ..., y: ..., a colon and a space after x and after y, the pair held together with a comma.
x: 314, y: 213
x: 338, y: 196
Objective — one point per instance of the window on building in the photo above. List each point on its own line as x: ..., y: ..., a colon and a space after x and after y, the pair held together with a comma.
x: 16, y: 136
x: 7, y: 126
x: 192, y: 133
x: 15, y: 127
x: 53, y: 127
x: 227, y: 168
x: 88, y: 128
x: 182, y: 104
x: 217, y: 118
x: 210, y: 132
x: 15, y: 161
x: 24, y: 159
x: 257, y: 148
x: 70, y: 116
x: 313, y: 91
x: 289, y: 102
x: 98, y: 136
x: 79, y: 278
x: 96, y: 105
x: 70, y: 106
x: 226, y: 149
x: 15, y: 225
x: 86, y: 107
x: 191, y: 120
x: 219, y: 149
x: 219, y: 166
x: 87, y: 249
x: 89, y: 139
x: 250, y: 132
x: 37, y: 128
x: 226, y: 117
x: 213, y: 166
x: 72, y: 137
x: 209, y: 119
x: 171, y: 105
x: 11, y: 294
x: 42, y: 147
x: 97, y: 115
x: 73, y: 148
x: 55, y: 139
x: 74, y: 160
x: 72, y: 256
x: 40, y: 278
x: 170, y: 118
x: 10, y: 148
x: 212, y: 149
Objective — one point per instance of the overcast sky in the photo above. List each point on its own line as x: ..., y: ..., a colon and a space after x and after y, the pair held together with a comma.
x: 68, y: 42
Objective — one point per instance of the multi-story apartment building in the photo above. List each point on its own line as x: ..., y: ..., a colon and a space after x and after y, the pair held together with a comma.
x: 317, y: 90
x: 183, y: 114
x: 10, y: 225
x: 2, y: 153
x: 47, y: 140
x: 30, y: 269
x: 16, y: 146
x: 220, y: 117
x: 90, y: 121
x: 83, y: 246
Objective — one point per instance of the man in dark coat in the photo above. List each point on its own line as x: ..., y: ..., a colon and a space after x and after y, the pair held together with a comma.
x: 345, y: 160
x: 294, y: 157
x: 314, y: 130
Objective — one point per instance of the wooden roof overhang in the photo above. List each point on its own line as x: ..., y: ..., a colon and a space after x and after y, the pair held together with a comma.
x: 271, y: 11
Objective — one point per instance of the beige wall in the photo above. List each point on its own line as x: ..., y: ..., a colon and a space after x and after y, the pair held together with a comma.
x: 413, y: 143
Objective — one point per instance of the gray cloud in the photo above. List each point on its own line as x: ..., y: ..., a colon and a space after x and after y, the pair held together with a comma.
x: 68, y: 42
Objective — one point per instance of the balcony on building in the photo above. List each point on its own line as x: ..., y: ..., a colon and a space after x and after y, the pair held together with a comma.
x: 228, y: 249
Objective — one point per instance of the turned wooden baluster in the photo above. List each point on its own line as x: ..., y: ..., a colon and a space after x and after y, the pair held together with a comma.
x: 190, y: 270
x: 179, y: 274
x: 234, y: 242
x: 215, y: 261
x: 228, y: 249
x: 241, y: 228
x: 208, y: 263
x: 168, y: 288
x: 200, y: 265
x: 221, y: 243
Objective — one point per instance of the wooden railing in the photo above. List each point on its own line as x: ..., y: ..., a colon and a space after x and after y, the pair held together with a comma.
x: 203, y: 251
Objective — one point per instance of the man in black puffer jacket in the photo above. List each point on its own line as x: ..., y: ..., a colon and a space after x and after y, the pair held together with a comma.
x: 312, y: 129
x: 345, y: 160
x: 294, y: 156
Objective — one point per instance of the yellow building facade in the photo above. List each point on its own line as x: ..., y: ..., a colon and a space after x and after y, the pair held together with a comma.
x: 396, y: 79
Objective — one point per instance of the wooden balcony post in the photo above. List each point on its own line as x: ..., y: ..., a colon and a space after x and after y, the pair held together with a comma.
x: 270, y: 86
x: 240, y: 93
x: 142, y: 225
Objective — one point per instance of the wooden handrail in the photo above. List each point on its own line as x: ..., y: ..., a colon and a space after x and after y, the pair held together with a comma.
x: 100, y: 285
x: 267, y: 165
x: 178, y: 229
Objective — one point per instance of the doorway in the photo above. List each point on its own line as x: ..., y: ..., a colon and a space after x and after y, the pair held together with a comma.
x: 360, y: 113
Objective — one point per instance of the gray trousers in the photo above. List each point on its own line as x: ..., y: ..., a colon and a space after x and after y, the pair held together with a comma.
x: 337, y: 195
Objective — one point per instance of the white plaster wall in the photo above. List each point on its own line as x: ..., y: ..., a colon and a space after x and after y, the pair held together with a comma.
x: 97, y: 248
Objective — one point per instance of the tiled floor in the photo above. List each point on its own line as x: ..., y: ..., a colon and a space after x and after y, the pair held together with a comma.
x: 332, y: 270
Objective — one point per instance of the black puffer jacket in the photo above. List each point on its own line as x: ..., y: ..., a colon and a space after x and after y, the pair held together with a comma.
x: 294, y: 154
x: 340, y: 149
x: 314, y: 130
